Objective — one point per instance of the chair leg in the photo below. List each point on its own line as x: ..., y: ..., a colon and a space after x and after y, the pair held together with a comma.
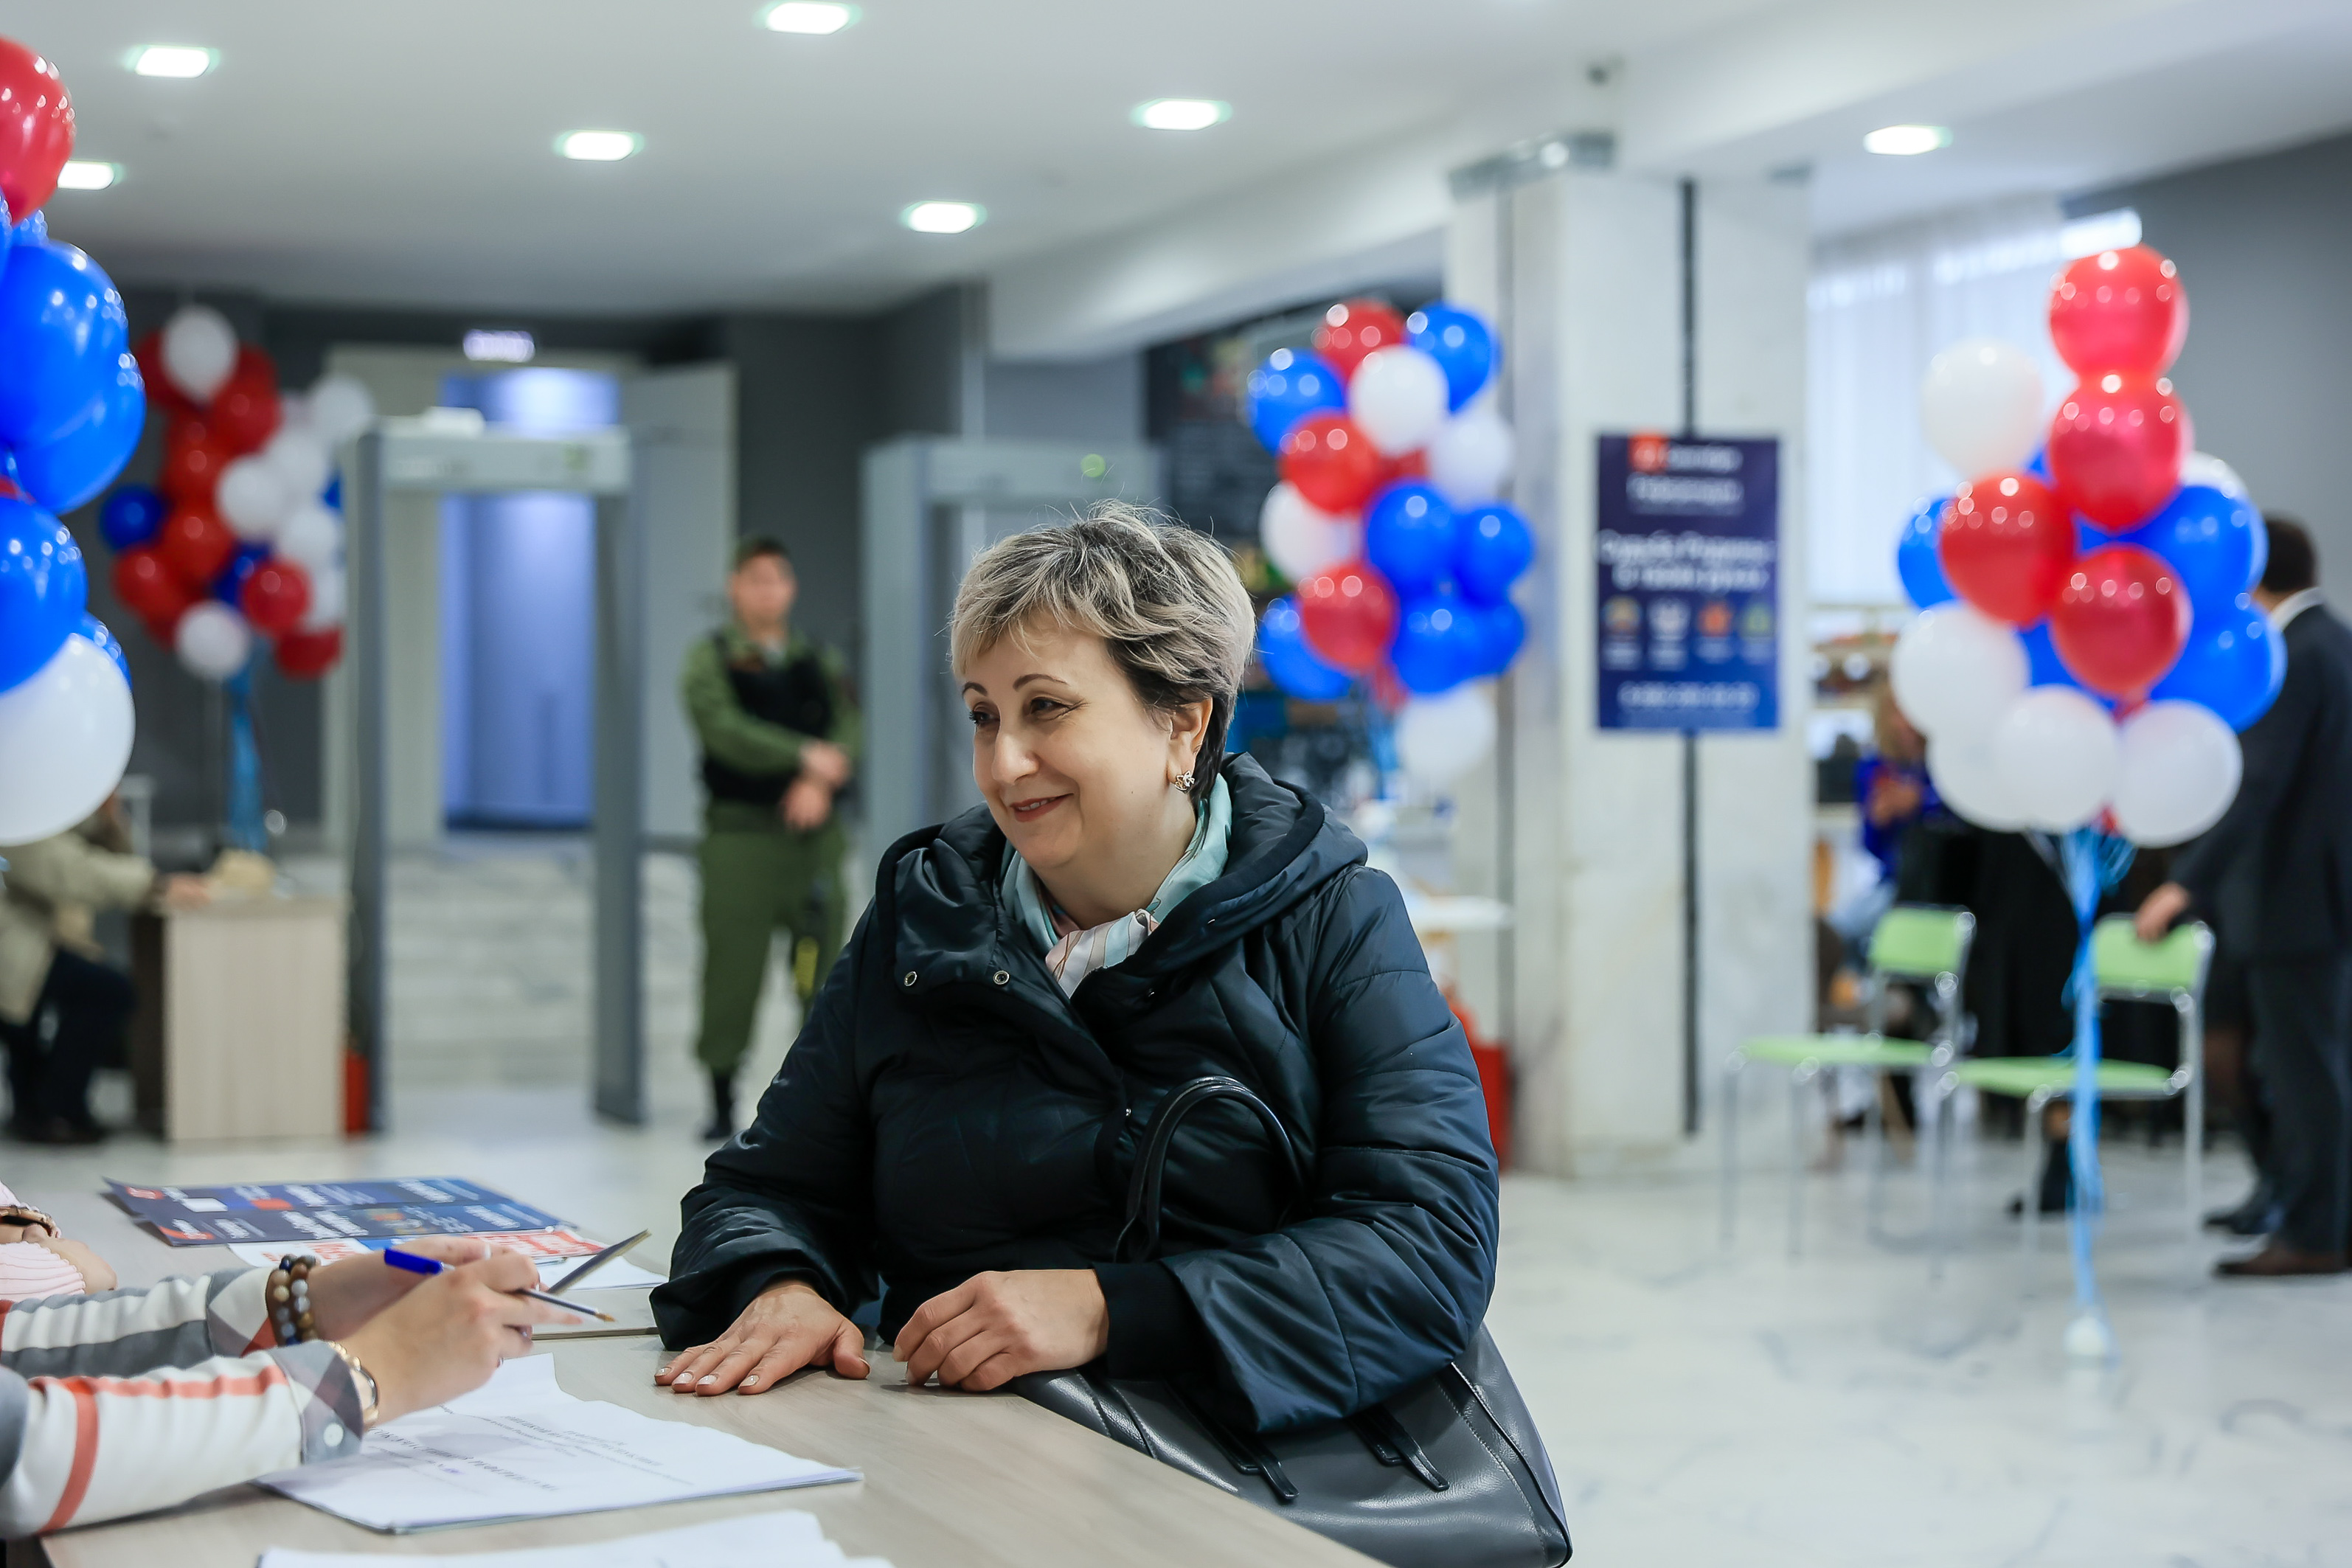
x: 1729, y: 1111
x: 2029, y: 1217
x: 2192, y: 1023
x: 1873, y: 1127
x: 1798, y: 1082
x: 1934, y: 1100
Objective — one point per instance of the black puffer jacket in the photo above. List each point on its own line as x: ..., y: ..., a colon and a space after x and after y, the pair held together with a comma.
x: 946, y: 1112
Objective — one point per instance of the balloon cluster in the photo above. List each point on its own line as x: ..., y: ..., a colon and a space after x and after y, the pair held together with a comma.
x: 239, y: 537
x: 1390, y: 522
x: 2087, y: 648
x: 71, y: 409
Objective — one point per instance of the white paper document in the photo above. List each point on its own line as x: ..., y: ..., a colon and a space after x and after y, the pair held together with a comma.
x: 521, y: 1447
x: 760, y: 1541
x: 619, y: 1274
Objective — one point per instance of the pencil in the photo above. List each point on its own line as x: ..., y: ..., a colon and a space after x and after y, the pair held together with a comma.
x: 416, y: 1263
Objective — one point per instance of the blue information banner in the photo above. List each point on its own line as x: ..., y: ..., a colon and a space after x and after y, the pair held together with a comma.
x: 1687, y: 557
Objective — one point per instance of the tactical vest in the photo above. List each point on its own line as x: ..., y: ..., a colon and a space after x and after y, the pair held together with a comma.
x: 794, y: 694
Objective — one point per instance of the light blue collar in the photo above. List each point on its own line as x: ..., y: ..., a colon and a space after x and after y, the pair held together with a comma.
x: 1204, y: 863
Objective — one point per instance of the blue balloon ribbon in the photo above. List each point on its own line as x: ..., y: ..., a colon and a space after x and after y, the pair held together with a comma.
x: 2094, y: 862
x: 1462, y: 344
x: 247, y: 826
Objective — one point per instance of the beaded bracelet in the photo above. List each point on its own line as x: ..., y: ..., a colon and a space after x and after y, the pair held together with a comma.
x: 289, y: 1301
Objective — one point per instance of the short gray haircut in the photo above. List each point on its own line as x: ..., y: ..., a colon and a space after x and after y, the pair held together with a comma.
x: 1165, y: 600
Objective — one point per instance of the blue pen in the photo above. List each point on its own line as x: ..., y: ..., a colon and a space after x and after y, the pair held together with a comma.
x: 417, y: 1263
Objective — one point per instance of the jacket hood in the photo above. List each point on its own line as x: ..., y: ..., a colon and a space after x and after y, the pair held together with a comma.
x: 940, y: 885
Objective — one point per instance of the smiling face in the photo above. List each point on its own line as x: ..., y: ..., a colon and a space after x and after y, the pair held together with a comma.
x: 1078, y: 771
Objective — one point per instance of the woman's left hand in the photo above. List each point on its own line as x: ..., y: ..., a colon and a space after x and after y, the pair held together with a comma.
x: 993, y: 1328
x: 345, y: 1295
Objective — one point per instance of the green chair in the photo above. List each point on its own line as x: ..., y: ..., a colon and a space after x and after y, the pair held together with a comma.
x: 2122, y: 968
x: 1918, y: 943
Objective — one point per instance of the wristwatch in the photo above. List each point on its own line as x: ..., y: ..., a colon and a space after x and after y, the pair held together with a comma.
x: 371, y: 1404
x: 26, y: 1213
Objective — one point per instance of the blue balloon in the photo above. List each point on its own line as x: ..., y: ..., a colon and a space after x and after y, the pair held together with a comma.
x: 43, y: 588
x: 231, y: 581
x: 1409, y: 536
x: 67, y: 335
x: 332, y: 498
x: 33, y: 230
x: 1915, y: 561
x: 2233, y: 665
x: 2214, y: 542
x: 1439, y: 644
x: 1461, y: 343
x: 108, y: 644
x: 1492, y: 546
x: 1291, y: 384
x: 2038, y: 464
x: 1282, y: 649
x: 1501, y: 632
x: 74, y: 469
x: 132, y: 516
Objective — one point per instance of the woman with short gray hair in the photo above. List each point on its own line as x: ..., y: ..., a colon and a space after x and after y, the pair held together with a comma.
x: 1131, y: 911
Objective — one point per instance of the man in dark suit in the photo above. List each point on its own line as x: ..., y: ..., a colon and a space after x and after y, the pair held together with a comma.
x: 2291, y: 827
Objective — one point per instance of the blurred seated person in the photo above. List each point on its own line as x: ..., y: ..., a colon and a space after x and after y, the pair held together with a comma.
x: 36, y: 1260
x: 63, y: 1008
x: 118, y: 1404
x: 1130, y: 911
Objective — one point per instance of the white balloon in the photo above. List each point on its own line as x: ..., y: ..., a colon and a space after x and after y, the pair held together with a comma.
x: 252, y: 499
x: 300, y: 459
x: 312, y: 537
x: 1471, y: 455
x: 64, y: 739
x: 340, y: 407
x: 326, y: 600
x: 1439, y: 739
x: 1970, y: 784
x: 1301, y: 540
x: 2055, y: 752
x: 213, y: 641
x: 199, y: 351
x: 1397, y: 396
x: 2205, y: 469
x: 1956, y: 671
x: 293, y: 410
x: 2176, y: 772
x: 1981, y: 406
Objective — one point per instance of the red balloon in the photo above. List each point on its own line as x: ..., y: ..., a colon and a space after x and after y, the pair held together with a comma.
x: 1349, y: 616
x: 2120, y: 620
x: 11, y: 491
x: 277, y: 595
x: 2116, y: 448
x: 2005, y: 546
x: 37, y: 128
x: 245, y: 413
x: 1388, y: 693
x: 164, y: 631
x: 2122, y: 311
x: 1413, y: 465
x: 193, y: 459
x: 306, y: 655
x: 161, y: 395
x: 146, y: 582
x: 196, y: 543
x: 1354, y: 327
x: 1334, y: 464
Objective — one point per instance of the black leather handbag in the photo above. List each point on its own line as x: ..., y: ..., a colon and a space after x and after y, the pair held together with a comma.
x: 1447, y: 1474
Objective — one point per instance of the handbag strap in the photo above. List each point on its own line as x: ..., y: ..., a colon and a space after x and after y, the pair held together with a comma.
x: 1143, y: 1226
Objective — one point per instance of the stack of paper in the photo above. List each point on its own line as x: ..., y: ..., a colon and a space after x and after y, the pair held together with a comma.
x: 760, y: 1541
x: 557, y: 1253
x: 521, y: 1447
x: 326, y: 1210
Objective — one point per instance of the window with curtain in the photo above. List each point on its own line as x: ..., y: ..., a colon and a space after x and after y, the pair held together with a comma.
x: 1883, y: 303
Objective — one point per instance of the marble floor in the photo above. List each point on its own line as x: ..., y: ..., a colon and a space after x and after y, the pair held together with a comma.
x: 1702, y: 1405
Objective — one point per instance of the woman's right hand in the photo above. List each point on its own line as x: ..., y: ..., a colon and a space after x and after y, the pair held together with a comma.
x: 447, y: 1335
x: 96, y: 1276
x: 785, y: 1328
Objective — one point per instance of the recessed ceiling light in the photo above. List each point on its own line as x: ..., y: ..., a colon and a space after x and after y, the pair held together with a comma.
x: 173, y: 59
x: 599, y: 146
x: 809, y: 17
x: 942, y: 217
x: 84, y: 174
x: 499, y: 347
x: 1906, y: 141
x: 1182, y: 113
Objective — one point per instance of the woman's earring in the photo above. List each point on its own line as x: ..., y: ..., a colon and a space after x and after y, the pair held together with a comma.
x: 1185, y: 782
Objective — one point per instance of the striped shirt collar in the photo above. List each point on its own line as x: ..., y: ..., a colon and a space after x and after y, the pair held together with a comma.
x: 1073, y: 951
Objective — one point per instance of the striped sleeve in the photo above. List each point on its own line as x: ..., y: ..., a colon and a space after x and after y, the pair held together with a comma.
x: 135, y: 1400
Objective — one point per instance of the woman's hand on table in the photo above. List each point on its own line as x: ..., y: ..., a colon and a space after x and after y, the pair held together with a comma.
x: 993, y: 1328
x: 448, y: 1334
x: 96, y: 1275
x: 345, y: 1296
x: 785, y: 1328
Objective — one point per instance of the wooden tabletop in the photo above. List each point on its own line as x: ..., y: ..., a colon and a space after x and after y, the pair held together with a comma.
x: 951, y: 1479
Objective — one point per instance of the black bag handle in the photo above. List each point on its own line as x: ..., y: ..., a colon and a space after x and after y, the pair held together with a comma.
x: 1151, y: 1164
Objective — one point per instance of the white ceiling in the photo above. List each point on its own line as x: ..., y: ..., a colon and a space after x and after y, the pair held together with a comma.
x: 400, y: 151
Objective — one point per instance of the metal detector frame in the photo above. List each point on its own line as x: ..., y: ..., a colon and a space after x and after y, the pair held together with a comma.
x: 411, y: 456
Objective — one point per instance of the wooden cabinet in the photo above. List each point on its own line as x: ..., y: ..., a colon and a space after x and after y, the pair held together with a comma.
x: 240, y: 1031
